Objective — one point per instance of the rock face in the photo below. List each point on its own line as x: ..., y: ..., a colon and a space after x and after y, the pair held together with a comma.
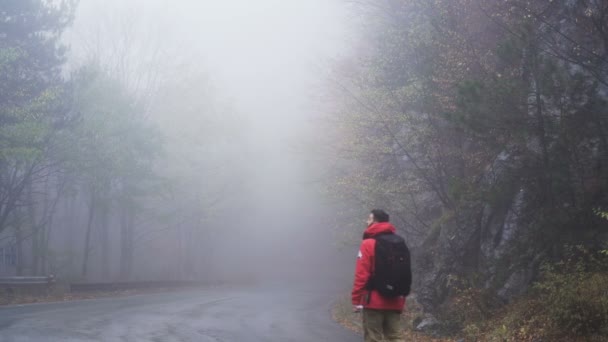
x: 500, y: 268
x: 481, y: 240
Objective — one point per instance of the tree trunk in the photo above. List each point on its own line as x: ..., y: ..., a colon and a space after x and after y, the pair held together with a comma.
x: 105, y: 239
x: 46, y: 232
x: 127, y: 222
x: 69, y: 212
x: 87, y: 240
x: 20, y: 259
x: 31, y: 219
x: 545, y: 174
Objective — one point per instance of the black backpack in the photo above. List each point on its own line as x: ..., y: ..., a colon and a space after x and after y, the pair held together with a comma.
x: 392, y: 267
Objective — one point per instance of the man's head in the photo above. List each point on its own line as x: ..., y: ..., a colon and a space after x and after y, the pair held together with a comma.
x: 376, y: 216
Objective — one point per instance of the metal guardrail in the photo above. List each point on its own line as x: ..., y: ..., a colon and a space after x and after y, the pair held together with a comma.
x: 24, y: 281
x: 92, y: 287
x: 14, y: 287
x: 46, y: 282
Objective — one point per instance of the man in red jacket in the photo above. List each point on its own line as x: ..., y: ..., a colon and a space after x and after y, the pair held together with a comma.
x: 381, y: 316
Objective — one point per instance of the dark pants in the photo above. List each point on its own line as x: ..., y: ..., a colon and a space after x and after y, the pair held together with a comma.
x: 382, y: 325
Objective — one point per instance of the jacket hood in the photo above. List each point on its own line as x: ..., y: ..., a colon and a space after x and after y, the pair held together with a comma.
x: 378, y: 228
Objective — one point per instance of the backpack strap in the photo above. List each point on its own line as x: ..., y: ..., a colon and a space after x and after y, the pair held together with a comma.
x: 368, y: 236
x: 370, y: 281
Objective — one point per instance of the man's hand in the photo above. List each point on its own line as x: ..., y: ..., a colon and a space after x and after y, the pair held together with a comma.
x: 357, y: 308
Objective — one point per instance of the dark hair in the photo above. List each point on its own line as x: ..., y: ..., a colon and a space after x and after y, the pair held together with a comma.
x: 380, y: 215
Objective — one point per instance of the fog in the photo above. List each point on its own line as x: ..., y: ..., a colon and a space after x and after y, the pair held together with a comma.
x: 250, y: 76
x: 244, y: 142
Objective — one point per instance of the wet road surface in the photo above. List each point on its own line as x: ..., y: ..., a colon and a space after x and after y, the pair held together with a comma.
x: 210, y: 315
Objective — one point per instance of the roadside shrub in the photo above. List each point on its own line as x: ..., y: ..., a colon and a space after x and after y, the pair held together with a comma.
x: 469, y: 308
x: 574, y: 292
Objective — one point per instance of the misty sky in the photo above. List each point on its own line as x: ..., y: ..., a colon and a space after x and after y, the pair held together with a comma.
x: 266, y: 57
x: 265, y: 54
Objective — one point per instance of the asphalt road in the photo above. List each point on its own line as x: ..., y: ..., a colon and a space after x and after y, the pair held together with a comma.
x: 262, y: 314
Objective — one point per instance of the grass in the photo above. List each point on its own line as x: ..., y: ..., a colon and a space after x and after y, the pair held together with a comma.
x: 567, y: 303
x: 343, y: 314
x: 521, y: 321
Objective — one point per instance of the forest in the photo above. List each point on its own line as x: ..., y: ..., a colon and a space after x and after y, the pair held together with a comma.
x: 480, y: 126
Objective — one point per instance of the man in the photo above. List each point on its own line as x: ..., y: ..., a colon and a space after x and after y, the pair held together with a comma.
x: 381, y: 311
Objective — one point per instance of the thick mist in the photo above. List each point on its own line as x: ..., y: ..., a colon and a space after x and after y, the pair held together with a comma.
x: 260, y: 65
x: 146, y: 143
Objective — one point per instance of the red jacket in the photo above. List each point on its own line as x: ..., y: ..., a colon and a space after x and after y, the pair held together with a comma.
x: 365, y: 268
